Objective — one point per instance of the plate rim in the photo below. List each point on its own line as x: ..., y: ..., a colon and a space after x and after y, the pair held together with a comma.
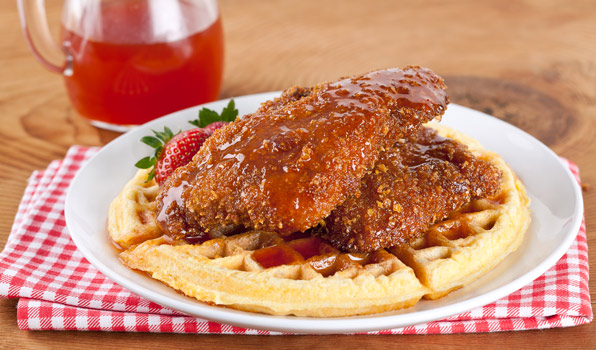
x: 312, y: 325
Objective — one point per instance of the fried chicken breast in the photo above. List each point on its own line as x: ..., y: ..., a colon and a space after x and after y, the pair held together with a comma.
x: 418, y: 182
x: 285, y: 167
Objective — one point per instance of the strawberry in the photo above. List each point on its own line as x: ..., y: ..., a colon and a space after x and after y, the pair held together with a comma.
x: 171, y: 151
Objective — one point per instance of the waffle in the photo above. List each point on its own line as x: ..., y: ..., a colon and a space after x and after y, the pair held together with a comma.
x: 131, y: 216
x: 302, y: 275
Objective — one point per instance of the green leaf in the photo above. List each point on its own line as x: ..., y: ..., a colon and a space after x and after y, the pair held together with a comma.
x: 229, y: 113
x: 207, y: 116
x: 145, y: 163
x: 160, y: 135
x: 151, y: 141
x: 168, y: 132
x: 164, y: 135
x: 151, y: 175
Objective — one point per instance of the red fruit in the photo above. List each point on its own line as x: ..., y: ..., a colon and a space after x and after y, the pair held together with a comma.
x: 178, y: 152
x: 171, y: 151
x: 214, y: 126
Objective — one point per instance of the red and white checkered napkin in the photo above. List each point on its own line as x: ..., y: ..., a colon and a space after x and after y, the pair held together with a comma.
x: 59, y: 289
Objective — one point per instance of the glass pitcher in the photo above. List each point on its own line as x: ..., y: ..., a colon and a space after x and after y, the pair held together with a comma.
x: 126, y: 62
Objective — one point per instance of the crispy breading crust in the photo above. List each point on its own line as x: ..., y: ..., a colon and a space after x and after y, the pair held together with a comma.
x: 285, y: 167
x: 416, y: 183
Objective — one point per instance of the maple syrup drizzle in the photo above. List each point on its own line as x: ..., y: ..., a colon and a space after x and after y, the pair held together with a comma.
x: 321, y: 256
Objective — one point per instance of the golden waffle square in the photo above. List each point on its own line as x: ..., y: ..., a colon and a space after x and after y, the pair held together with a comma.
x: 132, y: 214
x: 302, y: 275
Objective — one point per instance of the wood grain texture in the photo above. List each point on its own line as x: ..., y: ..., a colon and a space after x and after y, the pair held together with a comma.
x: 531, y: 63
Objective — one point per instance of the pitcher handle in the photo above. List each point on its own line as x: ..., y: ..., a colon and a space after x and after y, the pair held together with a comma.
x: 37, y: 32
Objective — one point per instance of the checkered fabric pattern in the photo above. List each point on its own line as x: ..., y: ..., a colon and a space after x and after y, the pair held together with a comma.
x: 58, y: 289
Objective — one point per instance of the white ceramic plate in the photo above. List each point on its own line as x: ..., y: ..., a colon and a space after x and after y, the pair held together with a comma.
x: 556, y: 216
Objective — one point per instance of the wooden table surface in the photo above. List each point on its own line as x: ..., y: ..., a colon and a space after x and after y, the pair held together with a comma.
x: 531, y: 63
